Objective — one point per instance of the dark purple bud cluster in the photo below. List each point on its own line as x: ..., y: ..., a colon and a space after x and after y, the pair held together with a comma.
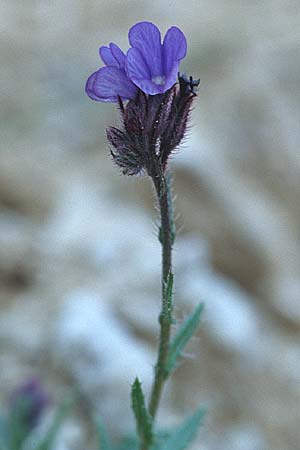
x: 153, y: 126
x: 28, y: 401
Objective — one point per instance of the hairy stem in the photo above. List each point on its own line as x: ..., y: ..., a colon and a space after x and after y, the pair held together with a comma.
x: 162, y: 186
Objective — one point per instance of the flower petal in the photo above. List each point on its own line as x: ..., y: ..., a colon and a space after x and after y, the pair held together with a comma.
x: 138, y: 72
x: 111, y: 82
x: 174, y: 48
x: 118, y: 55
x: 136, y: 66
x: 89, y: 87
x: 172, y: 76
x: 145, y: 37
x: 107, y: 56
x: 148, y: 87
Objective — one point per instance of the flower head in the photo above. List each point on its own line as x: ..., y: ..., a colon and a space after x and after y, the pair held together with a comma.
x: 154, y: 121
x: 149, y: 65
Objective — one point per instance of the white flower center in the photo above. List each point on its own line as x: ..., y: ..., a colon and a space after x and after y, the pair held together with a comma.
x: 160, y: 80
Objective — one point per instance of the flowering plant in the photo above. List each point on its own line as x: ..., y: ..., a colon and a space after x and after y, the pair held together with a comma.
x: 20, y: 426
x: 154, y: 122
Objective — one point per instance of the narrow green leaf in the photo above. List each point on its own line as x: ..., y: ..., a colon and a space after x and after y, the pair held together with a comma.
x: 48, y: 440
x: 142, y: 417
x: 182, y: 337
x: 3, y: 434
x: 103, y: 440
x: 168, y: 299
x: 186, y: 433
x: 128, y: 443
x: 17, y: 429
x: 161, y: 436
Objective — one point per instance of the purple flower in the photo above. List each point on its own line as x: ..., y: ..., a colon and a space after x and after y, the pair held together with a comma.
x: 110, y: 82
x: 149, y: 65
x: 28, y: 401
x: 153, y: 66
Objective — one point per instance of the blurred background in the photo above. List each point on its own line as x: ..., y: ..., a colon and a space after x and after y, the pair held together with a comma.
x: 79, y: 257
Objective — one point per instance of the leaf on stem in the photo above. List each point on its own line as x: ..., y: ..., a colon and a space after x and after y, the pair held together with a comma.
x: 48, y: 440
x: 102, y: 436
x: 128, y: 443
x: 168, y: 299
x: 3, y: 434
x: 182, y: 337
x: 142, y: 417
x: 185, y: 433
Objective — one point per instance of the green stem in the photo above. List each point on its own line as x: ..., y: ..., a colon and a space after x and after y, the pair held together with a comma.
x: 162, y: 187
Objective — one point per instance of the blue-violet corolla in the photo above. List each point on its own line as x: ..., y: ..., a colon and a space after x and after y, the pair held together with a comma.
x: 149, y: 65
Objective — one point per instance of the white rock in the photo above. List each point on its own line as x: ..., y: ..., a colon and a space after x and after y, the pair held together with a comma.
x: 242, y: 437
x: 284, y: 295
x: 101, y: 355
x: 230, y: 316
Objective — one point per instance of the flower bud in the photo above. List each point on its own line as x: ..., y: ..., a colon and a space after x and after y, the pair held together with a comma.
x: 153, y: 126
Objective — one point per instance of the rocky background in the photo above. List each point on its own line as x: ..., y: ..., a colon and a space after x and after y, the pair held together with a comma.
x: 79, y: 258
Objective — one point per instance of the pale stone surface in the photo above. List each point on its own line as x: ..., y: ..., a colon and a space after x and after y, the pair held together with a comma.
x: 101, y: 355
